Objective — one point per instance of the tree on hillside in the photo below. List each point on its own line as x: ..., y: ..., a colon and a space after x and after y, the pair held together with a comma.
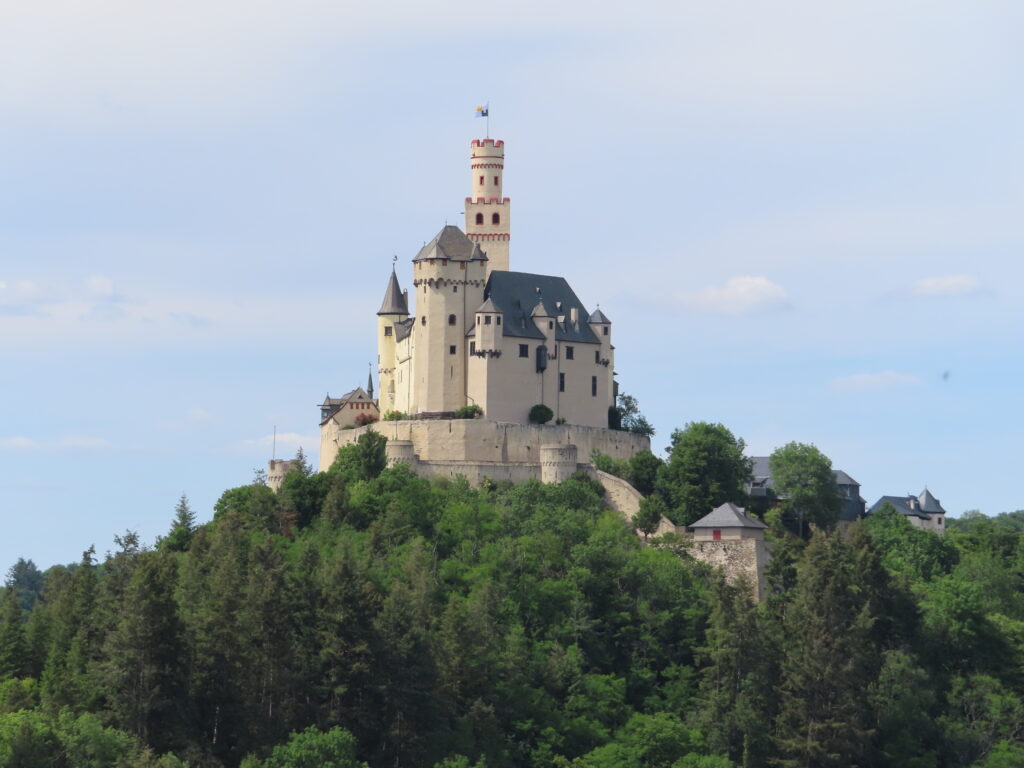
x: 182, y: 527
x: 805, y: 485
x: 706, y: 468
x: 13, y: 650
x: 26, y: 580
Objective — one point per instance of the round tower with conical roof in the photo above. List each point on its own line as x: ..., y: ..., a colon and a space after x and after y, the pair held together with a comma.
x: 393, y: 311
x: 488, y: 213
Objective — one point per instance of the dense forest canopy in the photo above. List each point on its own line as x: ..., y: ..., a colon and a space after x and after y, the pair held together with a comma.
x: 366, y: 616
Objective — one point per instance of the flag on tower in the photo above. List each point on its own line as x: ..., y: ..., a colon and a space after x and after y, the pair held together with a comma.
x: 482, y: 111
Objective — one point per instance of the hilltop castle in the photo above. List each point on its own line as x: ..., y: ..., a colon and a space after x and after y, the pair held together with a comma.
x: 475, y: 333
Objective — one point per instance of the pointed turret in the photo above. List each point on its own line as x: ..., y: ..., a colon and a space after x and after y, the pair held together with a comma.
x: 369, y: 382
x: 395, y: 302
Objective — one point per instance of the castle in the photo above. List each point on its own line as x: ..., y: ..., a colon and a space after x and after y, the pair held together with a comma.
x: 475, y: 333
x: 505, y: 342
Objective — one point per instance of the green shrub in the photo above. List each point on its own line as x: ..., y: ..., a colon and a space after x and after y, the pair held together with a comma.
x: 469, y: 412
x: 541, y: 414
x: 396, y: 416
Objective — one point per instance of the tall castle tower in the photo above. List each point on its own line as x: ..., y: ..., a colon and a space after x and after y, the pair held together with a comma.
x: 488, y: 214
x: 393, y: 310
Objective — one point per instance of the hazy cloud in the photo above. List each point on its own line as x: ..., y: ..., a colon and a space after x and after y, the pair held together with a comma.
x: 948, y: 285
x: 871, y: 381
x: 68, y: 442
x: 284, y: 439
x: 740, y: 296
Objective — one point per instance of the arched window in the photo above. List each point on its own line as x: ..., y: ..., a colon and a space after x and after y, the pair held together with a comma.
x: 495, y: 218
x: 479, y: 218
x: 451, y: 319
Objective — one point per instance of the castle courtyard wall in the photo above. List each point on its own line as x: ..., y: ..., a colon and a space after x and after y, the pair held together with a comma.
x: 486, y: 442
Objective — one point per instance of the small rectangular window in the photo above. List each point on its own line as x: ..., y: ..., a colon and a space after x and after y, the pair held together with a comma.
x: 423, y: 320
x: 455, y: 288
x: 716, y: 534
x: 495, y: 181
x: 561, y: 382
x: 593, y: 386
x: 569, y: 352
x: 451, y: 350
x: 524, y: 350
x: 472, y: 347
x: 597, y: 355
x: 487, y: 319
x: 497, y: 320
x: 605, y: 330
x: 478, y: 320
x: 387, y: 331
x: 481, y: 181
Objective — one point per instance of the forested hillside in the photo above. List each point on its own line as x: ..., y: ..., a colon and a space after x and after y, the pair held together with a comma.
x: 364, y: 615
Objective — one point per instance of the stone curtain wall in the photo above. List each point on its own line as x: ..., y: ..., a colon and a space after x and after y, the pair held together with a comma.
x: 739, y: 558
x: 480, y: 440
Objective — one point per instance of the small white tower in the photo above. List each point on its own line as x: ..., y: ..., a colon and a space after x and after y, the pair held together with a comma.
x: 488, y: 214
x: 393, y: 310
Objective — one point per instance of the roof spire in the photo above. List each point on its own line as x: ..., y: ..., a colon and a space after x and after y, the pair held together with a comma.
x: 394, y: 300
x: 369, y: 381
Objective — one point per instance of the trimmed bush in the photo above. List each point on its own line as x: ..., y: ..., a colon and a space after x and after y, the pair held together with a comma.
x: 541, y: 414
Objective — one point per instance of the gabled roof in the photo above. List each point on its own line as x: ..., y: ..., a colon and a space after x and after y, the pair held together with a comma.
x: 394, y: 302
x: 540, y: 310
x: 451, y: 243
x: 488, y: 306
x: 728, y: 516
x: 337, y: 403
x: 517, y: 295
x: 598, y: 317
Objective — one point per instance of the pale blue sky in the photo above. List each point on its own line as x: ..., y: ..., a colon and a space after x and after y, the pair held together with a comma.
x: 803, y: 218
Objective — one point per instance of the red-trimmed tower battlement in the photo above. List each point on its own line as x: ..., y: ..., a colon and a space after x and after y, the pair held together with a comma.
x: 488, y: 213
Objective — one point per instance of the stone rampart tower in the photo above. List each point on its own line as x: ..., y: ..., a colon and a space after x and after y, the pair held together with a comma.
x: 488, y: 214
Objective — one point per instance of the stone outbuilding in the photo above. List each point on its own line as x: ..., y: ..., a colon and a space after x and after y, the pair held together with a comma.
x: 728, y: 538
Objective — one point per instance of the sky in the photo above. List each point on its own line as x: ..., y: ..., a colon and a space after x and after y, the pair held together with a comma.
x: 803, y: 219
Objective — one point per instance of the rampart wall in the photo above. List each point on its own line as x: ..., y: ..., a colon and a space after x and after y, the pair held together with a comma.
x: 487, y: 442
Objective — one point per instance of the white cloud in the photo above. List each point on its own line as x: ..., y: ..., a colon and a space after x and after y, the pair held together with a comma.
x: 870, y: 381
x: 16, y: 443
x: 740, y: 296
x: 948, y: 285
x: 100, y: 287
x: 198, y: 416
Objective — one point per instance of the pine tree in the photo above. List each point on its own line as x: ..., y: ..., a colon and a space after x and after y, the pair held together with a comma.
x: 183, y: 527
x: 14, y: 661
x: 829, y: 661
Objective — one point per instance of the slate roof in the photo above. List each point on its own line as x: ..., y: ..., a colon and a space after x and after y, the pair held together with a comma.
x: 728, y: 516
x: 337, y: 403
x: 451, y: 243
x: 518, y: 294
x: 404, y: 328
x: 923, y: 506
x: 488, y: 306
x: 929, y: 503
x: 599, y: 317
x: 395, y: 302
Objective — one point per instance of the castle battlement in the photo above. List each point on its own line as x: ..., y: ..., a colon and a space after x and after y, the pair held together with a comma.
x: 495, y: 143
x: 489, y: 200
